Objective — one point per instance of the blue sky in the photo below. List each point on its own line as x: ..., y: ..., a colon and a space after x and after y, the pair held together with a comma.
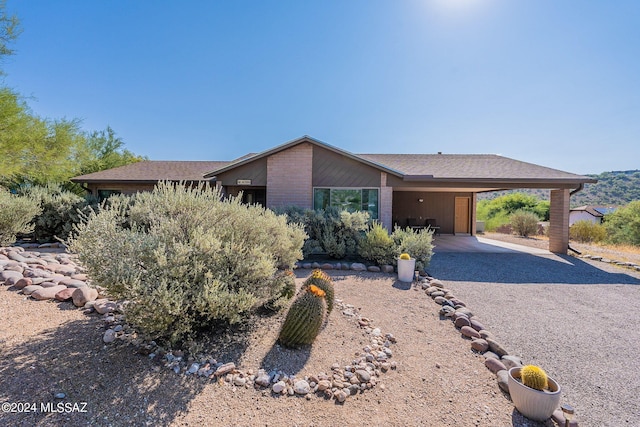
x: 553, y: 82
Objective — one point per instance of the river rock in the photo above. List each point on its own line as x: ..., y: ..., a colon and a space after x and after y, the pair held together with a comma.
x: 477, y: 325
x: 494, y: 365
x: 496, y: 347
x: 279, y: 387
x: 225, y: 369
x: 503, y: 380
x: 22, y: 283
x: 104, y: 306
x: 109, y: 336
x: 28, y: 290
x: 47, y: 293
x: 301, y: 387
x: 480, y: 345
x: 83, y: 295
x: 468, y: 331
x: 10, y: 277
x: 462, y: 321
x: 357, y: 266
x: 387, y: 268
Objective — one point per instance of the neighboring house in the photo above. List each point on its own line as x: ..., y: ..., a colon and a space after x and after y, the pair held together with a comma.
x: 403, y: 189
x: 594, y: 214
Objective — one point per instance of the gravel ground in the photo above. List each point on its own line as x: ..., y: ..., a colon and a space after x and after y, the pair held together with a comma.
x: 576, y: 318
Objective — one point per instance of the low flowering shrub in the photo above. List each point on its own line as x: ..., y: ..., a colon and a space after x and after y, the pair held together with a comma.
x: 417, y: 243
x: 586, y: 232
x: 377, y: 246
x: 16, y: 214
x: 186, y: 260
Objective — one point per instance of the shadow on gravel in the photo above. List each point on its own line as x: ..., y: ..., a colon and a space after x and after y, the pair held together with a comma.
x: 102, y: 380
x: 522, y: 268
x: 519, y: 420
x: 403, y: 286
x: 296, y: 359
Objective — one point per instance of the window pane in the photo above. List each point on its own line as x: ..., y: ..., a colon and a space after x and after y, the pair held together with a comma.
x: 370, y: 202
x: 320, y: 198
x: 348, y: 200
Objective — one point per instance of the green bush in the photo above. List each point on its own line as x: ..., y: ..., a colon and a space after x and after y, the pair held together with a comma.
x: 332, y: 232
x: 186, y: 260
x: 586, y: 232
x: 377, y: 246
x: 623, y: 225
x: 524, y: 223
x: 417, y: 243
x: 61, y: 209
x: 16, y: 214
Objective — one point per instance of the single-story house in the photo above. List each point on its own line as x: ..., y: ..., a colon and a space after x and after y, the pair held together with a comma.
x: 404, y: 189
x: 594, y: 214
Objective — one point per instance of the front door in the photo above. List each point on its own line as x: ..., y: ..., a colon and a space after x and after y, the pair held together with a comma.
x: 462, y: 222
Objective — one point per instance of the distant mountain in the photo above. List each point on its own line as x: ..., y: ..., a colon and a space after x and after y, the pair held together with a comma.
x: 612, y: 188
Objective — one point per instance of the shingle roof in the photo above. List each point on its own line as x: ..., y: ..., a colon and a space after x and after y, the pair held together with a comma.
x: 154, y: 170
x: 467, y: 166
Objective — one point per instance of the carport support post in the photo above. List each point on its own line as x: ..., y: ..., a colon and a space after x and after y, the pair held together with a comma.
x: 559, y: 221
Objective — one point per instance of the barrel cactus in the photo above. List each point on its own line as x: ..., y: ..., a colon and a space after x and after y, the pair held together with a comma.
x: 322, y: 280
x: 534, y: 377
x: 304, y: 319
x: 405, y: 256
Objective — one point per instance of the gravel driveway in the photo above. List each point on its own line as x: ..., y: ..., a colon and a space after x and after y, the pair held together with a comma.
x: 577, y: 319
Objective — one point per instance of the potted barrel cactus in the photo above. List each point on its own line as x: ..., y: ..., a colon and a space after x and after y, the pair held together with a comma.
x: 406, y: 268
x: 534, y: 394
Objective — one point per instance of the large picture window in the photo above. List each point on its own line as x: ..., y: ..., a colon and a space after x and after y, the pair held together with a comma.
x: 349, y: 199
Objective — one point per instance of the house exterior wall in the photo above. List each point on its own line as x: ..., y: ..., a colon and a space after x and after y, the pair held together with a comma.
x: 335, y: 170
x: 289, y: 177
x: 255, y: 171
x: 559, y: 221
x: 439, y: 206
x: 575, y: 216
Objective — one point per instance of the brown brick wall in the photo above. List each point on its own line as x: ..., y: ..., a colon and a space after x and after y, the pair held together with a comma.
x: 289, y: 177
x: 559, y: 221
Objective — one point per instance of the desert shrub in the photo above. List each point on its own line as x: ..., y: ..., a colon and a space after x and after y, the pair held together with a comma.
x: 16, y: 214
x: 377, y: 246
x: 417, y: 243
x: 185, y: 260
x: 332, y: 231
x: 61, y: 209
x: 623, y: 225
x: 524, y: 223
x: 586, y: 232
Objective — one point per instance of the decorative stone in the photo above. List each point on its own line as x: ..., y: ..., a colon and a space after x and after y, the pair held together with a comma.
x: 503, y: 380
x: 28, y: 290
x: 374, y: 269
x: 468, y: 331
x: 83, y: 295
x: 439, y: 299
x: 480, y: 345
x: 356, y: 266
x: 225, y: 369
x: 496, y: 347
x: 104, y: 306
x: 22, y: 283
x: 437, y: 283
x: 490, y: 355
x: 340, y: 396
x: 511, y: 361
x: 326, y: 266
x: 363, y: 376
x: 279, y: 387
x: 10, y: 277
x: 462, y: 321
x: 485, y: 334
x: 64, y: 295
x: 263, y: 379
x: 109, y: 336
x: 477, y: 325
x: 48, y: 293
x: 494, y: 365
x: 466, y: 311
x: 387, y: 268
x: 301, y: 387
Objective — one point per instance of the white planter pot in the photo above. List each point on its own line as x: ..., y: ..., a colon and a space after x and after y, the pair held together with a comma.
x: 406, y: 269
x: 534, y: 404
